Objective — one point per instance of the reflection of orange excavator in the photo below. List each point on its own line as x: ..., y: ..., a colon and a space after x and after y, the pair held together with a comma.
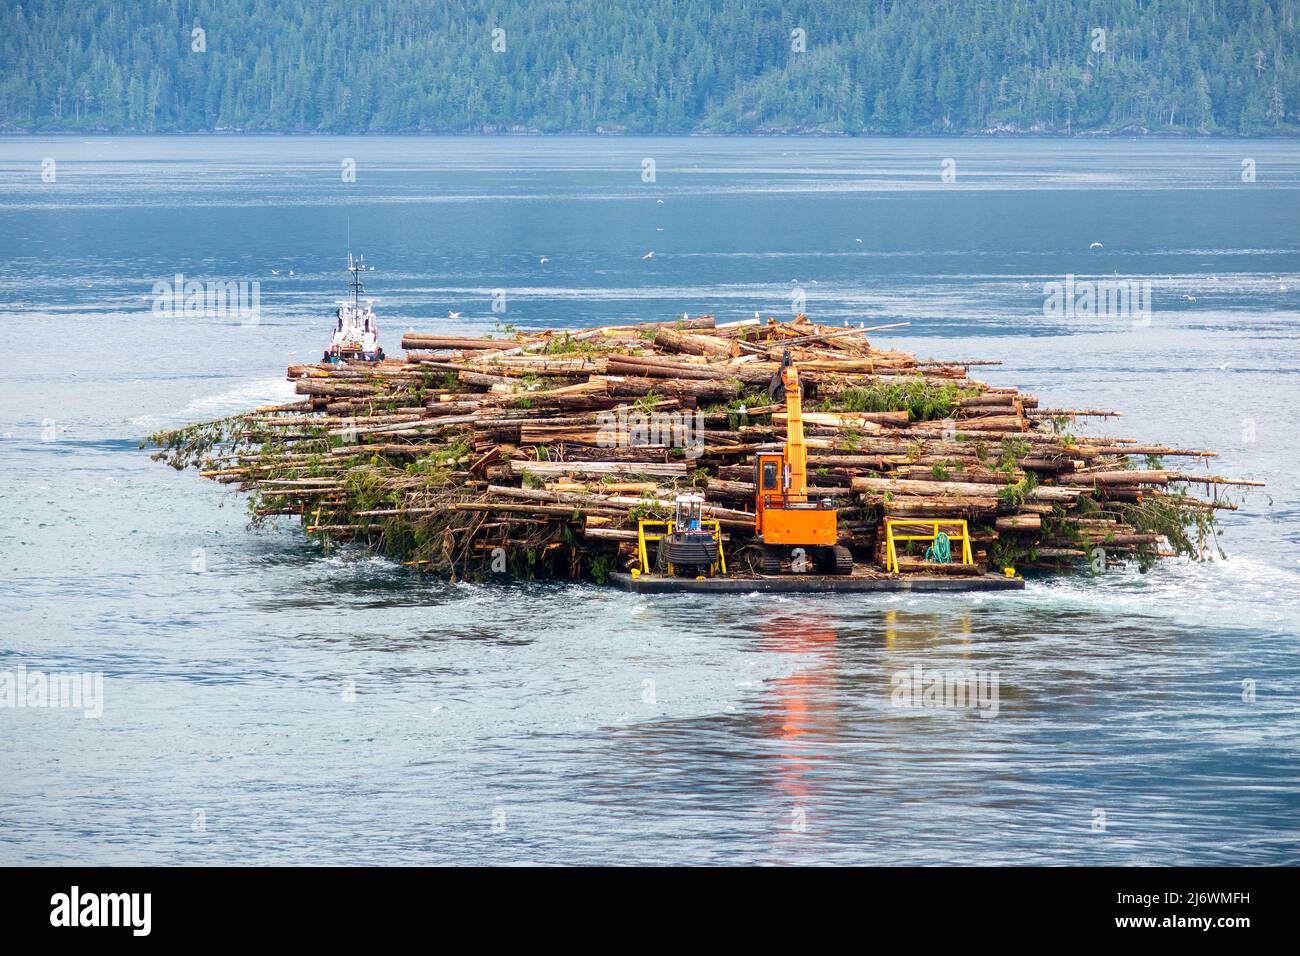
x: 785, y: 520
x: 801, y: 716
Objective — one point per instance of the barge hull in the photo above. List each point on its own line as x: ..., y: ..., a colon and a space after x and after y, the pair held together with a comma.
x: 813, y: 584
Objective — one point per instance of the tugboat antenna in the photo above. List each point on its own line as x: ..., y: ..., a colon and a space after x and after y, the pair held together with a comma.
x: 356, y: 269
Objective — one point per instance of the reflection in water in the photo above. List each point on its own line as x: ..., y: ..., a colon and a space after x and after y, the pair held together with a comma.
x: 905, y: 632
x: 804, y: 714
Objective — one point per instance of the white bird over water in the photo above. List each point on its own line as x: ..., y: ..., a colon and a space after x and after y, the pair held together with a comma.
x: 1189, y: 298
x: 1096, y: 245
x: 275, y: 272
x: 452, y: 315
x: 649, y: 255
x: 857, y: 240
x: 543, y: 260
x: 659, y: 202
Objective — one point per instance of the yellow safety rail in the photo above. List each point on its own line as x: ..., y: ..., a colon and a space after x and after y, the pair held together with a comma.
x: 642, y: 536
x: 933, y: 526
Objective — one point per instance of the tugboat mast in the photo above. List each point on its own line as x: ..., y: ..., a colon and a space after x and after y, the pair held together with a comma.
x: 356, y: 268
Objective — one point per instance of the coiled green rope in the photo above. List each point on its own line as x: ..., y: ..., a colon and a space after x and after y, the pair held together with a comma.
x: 941, y: 551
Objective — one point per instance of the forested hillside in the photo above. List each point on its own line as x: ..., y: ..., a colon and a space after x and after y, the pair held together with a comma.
x: 670, y: 66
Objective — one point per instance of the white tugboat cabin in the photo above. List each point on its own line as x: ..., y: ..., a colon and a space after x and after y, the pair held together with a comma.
x: 356, y: 333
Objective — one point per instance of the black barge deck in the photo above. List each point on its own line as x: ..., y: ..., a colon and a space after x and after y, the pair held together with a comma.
x: 814, y: 583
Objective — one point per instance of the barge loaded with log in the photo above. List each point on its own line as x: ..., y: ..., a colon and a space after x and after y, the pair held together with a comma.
x: 702, y: 455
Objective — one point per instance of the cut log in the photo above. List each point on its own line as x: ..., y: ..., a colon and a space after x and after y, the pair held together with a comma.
x: 672, y: 340
x: 414, y: 340
x: 543, y: 468
x: 679, y: 388
x: 914, y: 506
x: 859, y: 420
x: 918, y: 487
x: 1018, y: 523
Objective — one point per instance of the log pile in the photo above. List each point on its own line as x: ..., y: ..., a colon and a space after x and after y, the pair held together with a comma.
x: 540, y: 451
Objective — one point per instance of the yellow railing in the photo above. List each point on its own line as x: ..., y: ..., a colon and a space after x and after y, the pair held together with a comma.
x: 642, y: 536
x: 933, y: 526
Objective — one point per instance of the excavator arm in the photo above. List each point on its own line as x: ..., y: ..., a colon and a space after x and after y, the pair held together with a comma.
x: 796, y: 449
x: 785, y: 386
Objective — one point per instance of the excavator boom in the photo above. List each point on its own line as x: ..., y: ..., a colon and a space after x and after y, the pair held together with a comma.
x: 796, y: 449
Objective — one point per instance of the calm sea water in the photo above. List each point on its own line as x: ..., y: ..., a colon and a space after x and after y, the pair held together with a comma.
x: 573, y: 724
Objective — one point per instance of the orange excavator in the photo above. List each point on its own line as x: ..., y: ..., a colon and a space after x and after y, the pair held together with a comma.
x: 786, y: 522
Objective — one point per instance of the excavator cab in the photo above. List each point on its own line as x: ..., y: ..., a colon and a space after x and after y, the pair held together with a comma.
x: 784, y: 516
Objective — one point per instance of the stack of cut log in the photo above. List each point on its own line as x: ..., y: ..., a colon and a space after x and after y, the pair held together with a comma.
x: 543, y: 449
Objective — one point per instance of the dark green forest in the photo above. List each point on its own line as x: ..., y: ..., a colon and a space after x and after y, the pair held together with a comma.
x: 673, y: 66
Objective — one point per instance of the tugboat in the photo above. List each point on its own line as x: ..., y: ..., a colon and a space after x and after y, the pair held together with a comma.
x: 356, y: 333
